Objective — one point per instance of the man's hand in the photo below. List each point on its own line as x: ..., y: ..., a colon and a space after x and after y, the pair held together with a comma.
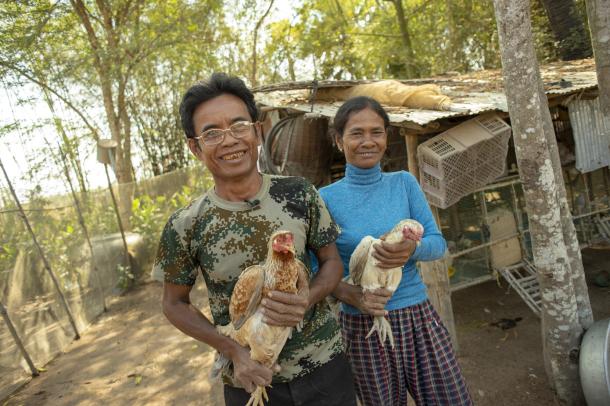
x: 249, y: 373
x: 287, y: 309
x: 393, y: 255
x: 373, y: 301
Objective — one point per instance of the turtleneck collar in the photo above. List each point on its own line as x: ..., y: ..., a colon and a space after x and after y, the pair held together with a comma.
x: 359, y: 176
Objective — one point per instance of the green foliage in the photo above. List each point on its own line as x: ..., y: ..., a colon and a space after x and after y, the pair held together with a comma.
x: 125, y: 279
x: 147, y: 214
x: 360, y: 39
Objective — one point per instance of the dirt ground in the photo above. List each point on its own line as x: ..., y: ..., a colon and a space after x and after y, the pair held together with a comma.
x: 133, y: 356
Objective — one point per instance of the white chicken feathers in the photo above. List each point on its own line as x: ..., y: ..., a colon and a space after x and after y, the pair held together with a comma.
x: 364, y: 269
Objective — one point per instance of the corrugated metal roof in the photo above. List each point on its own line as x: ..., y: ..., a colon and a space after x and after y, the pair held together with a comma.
x: 471, y: 94
x: 591, y: 134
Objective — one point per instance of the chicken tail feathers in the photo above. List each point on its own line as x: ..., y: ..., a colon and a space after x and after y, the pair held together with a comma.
x: 221, y: 364
x: 383, y: 328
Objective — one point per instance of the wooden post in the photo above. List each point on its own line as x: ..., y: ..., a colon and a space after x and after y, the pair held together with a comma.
x: 411, y: 141
x: 11, y: 328
x: 435, y: 274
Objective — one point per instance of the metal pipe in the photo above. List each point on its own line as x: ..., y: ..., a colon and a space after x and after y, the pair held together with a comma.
x: 18, y: 341
x: 47, y: 266
x: 472, y: 282
x: 591, y: 213
x: 488, y: 244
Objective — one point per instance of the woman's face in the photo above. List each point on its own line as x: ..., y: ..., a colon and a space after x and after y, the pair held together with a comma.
x: 364, y: 139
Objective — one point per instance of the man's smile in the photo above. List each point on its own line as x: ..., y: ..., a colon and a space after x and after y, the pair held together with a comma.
x: 233, y: 156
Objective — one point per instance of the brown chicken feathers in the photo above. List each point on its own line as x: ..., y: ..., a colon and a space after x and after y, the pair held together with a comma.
x: 365, y: 272
x: 281, y: 271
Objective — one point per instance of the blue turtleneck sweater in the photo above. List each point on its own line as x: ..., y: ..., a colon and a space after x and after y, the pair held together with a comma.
x: 369, y: 202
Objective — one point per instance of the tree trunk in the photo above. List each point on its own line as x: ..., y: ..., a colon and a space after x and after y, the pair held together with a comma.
x: 406, y: 37
x: 109, y: 64
x: 568, y: 28
x: 577, y: 272
x: 598, y: 12
x: 254, y: 43
x: 527, y: 104
x: 451, y: 36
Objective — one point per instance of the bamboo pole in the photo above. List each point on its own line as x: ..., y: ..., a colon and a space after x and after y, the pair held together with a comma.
x: 485, y: 237
x: 18, y: 341
x: 47, y: 266
x: 81, y: 221
x: 118, y: 216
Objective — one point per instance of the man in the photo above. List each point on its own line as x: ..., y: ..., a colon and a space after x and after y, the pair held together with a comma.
x: 227, y: 229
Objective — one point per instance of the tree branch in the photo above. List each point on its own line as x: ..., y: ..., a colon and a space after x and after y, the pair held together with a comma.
x: 67, y: 102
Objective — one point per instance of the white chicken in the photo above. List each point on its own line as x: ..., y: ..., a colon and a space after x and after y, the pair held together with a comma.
x: 365, y: 272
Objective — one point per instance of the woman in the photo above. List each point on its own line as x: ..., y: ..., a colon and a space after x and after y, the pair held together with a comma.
x: 369, y: 202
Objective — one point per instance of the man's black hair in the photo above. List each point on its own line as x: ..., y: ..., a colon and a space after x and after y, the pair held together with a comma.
x: 217, y: 84
x: 355, y: 105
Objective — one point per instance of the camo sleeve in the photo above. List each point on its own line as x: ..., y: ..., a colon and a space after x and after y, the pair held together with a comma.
x: 173, y: 258
x: 322, y: 228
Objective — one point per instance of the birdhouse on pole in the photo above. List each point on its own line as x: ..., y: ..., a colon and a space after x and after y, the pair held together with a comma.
x: 106, y: 152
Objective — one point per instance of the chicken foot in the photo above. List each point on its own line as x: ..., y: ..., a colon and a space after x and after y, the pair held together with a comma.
x: 256, y: 397
x: 383, y: 328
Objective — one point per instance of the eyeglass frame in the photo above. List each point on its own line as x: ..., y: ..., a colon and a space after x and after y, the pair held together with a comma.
x: 200, y: 138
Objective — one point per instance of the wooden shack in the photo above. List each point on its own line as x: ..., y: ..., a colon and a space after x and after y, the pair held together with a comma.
x: 486, y: 229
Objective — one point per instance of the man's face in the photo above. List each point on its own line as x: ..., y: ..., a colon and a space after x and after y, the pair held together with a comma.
x: 233, y: 158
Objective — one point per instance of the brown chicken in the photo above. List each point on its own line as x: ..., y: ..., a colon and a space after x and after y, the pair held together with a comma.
x: 281, y: 271
x: 364, y: 269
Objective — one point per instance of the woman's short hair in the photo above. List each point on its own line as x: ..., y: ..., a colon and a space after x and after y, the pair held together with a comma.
x: 355, y: 105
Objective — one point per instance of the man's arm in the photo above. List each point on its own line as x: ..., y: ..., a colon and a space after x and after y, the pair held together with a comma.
x: 187, y: 318
x: 287, y: 309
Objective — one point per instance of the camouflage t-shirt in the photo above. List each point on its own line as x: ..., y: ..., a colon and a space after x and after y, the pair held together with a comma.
x: 223, y: 238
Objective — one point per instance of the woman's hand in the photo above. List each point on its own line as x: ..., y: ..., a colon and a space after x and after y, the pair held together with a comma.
x: 393, y: 255
x: 373, y: 301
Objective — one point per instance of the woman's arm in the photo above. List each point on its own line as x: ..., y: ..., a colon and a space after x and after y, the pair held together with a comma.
x: 370, y: 302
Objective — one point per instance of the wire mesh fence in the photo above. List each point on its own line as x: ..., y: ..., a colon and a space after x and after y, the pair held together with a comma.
x: 80, y: 245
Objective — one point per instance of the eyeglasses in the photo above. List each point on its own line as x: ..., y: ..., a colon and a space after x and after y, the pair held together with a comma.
x: 215, y: 136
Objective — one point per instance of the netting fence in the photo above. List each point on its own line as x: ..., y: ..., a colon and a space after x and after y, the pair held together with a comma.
x: 87, y: 259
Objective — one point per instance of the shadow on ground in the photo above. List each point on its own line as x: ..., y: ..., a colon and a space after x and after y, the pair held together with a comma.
x: 133, y: 356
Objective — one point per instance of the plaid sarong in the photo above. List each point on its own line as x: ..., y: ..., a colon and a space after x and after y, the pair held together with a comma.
x: 421, y: 363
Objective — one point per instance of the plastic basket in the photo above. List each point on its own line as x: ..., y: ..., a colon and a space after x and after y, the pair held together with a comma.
x: 462, y: 159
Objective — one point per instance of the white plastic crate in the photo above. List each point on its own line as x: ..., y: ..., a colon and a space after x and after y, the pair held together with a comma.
x: 457, y: 162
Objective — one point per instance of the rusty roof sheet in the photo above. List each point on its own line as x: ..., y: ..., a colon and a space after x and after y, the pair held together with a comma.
x: 471, y: 94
